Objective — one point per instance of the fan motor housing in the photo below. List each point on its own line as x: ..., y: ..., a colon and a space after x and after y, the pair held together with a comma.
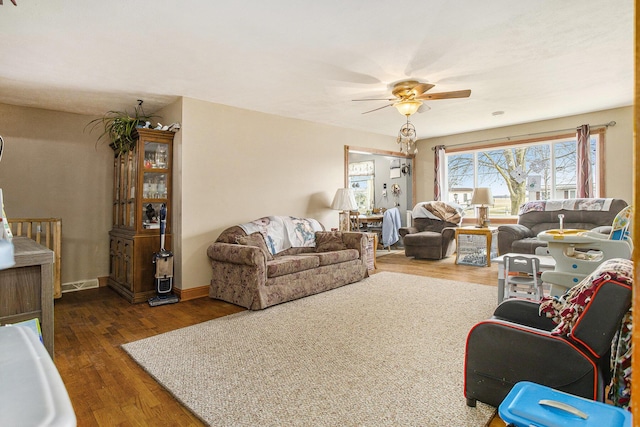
x: 403, y: 89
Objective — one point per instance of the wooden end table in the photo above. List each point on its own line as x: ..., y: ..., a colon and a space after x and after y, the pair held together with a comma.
x: 476, y: 246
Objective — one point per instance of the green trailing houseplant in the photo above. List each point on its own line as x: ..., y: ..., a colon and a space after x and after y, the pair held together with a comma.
x: 120, y: 128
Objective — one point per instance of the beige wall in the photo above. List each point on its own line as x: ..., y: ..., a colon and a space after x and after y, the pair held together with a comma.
x: 618, y: 148
x: 232, y: 165
x: 239, y: 165
x: 52, y: 167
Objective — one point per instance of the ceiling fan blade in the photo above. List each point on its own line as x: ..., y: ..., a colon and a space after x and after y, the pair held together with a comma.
x: 376, y: 99
x: 421, y: 88
x: 446, y: 95
x: 423, y: 109
x: 376, y: 109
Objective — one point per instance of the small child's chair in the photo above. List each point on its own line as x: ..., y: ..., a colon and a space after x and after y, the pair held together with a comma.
x: 522, y: 278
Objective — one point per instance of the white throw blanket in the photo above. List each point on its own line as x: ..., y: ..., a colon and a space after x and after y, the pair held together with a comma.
x: 284, y: 232
x: 391, y: 222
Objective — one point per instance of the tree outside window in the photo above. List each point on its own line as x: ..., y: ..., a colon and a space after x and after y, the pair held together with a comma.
x: 517, y: 174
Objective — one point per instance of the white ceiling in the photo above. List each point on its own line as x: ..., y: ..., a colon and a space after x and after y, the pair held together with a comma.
x: 307, y: 59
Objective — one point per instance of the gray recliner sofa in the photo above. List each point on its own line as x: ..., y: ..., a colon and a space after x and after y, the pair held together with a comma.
x: 522, y: 237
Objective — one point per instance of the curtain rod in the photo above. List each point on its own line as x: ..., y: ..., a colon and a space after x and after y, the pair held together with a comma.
x: 508, y: 138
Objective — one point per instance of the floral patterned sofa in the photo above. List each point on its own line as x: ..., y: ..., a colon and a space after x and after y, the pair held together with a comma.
x: 277, y: 259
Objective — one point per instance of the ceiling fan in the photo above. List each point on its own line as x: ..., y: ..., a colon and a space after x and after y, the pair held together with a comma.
x: 409, y: 95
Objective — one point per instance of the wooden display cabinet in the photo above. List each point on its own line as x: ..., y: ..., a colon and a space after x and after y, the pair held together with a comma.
x: 142, y: 183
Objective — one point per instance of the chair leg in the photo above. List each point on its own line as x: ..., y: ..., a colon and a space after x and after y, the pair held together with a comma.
x: 471, y: 402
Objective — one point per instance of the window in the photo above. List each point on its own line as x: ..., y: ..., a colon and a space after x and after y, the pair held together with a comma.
x: 519, y: 172
x: 362, y: 183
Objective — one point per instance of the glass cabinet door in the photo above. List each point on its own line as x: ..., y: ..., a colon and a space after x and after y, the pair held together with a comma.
x: 155, y: 182
x: 154, y: 185
x: 156, y: 155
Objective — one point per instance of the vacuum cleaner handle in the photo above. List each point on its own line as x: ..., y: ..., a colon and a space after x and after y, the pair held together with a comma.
x: 163, y: 224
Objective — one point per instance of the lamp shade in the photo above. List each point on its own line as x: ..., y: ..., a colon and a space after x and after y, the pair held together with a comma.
x: 482, y: 196
x: 408, y: 107
x: 344, y: 200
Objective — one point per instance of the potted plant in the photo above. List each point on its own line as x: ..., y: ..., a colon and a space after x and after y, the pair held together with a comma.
x: 120, y: 128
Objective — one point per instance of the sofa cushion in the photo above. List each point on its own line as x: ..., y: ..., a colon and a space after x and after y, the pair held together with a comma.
x: 298, y: 251
x: 336, y: 257
x: 289, y: 264
x: 255, y: 239
x: 327, y: 241
x: 527, y: 245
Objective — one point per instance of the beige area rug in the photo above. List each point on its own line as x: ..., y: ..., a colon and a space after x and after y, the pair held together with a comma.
x: 386, y: 351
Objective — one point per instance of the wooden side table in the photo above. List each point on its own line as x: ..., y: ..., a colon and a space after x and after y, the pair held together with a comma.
x: 476, y: 246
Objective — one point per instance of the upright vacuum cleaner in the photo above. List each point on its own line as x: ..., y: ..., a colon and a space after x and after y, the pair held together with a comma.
x: 163, y: 261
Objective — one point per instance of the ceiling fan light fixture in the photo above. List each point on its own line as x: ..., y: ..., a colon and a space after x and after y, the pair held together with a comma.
x: 407, y: 107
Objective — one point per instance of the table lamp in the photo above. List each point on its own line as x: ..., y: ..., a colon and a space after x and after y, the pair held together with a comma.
x: 344, y: 201
x: 482, y: 196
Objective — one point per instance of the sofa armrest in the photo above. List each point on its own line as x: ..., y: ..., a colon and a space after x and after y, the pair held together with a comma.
x: 523, y: 312
x: 499, y: 354
x: 238, y: 272
x: 509, y: 233
x: 407, y: 230
x: 518, y: 231
x: 236, y: 254
x: 448, y: 233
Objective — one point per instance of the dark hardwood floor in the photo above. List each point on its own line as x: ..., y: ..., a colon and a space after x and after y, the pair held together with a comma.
x: 108, y: 389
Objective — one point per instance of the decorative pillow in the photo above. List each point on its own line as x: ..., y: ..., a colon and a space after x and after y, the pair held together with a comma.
x: 255, y: 239
x: 328, y: 241
x: 566, y: 309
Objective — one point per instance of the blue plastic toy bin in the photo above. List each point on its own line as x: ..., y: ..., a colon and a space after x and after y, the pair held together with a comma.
x: 534, y: 405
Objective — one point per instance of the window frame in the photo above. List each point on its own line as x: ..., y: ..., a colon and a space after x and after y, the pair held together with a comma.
x: 599, y: 161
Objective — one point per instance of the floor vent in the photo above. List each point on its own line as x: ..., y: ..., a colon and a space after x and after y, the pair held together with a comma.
x: 79, y: 286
